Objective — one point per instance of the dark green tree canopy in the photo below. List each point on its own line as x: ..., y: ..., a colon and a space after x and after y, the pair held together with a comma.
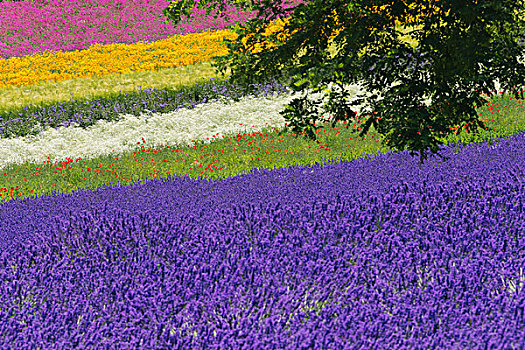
x: 463, y: 46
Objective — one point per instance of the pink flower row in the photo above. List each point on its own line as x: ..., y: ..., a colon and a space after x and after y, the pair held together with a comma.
x: 32, y: 26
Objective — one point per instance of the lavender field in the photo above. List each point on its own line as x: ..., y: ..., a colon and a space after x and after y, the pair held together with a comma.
x: 254, y: 241
x: 377, y: 252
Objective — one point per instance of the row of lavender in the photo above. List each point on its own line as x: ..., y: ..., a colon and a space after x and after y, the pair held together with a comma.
x: 31, y: 120
x: 377, y: 253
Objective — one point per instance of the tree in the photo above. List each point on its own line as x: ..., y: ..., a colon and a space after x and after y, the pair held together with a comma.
x: 464, y: 45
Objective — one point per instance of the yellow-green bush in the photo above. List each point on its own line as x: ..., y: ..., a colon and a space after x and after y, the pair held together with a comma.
x: 279, y: 24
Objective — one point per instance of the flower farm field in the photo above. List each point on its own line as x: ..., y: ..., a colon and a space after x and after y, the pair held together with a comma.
x: 148, y: 202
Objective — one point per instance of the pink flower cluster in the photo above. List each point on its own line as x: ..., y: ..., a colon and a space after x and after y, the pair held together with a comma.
x: 32, y: 26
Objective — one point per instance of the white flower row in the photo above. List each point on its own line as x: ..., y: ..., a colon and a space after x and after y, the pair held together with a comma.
x: 177, y: 128
x: 180, y: 127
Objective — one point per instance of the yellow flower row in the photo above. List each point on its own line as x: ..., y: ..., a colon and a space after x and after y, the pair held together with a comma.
x: 104, y: 60
x: 273, y: 27
x: 101, y: 60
